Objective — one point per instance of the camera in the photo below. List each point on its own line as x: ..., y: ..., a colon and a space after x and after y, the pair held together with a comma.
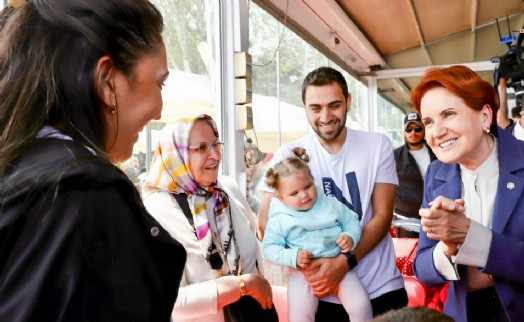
x: 511, y: 66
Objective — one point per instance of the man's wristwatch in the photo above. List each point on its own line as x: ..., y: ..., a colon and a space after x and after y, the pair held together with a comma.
x: 351, y: 259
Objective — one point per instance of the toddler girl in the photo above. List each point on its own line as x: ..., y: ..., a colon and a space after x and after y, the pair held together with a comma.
x: 303, y: 225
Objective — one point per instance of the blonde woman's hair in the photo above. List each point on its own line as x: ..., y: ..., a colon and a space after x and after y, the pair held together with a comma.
x: 287, y: 167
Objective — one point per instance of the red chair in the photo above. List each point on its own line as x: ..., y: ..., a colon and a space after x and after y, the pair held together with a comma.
x: 417, y: 295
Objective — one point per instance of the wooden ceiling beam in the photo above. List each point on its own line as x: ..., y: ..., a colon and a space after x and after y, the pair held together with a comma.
x: 418, y: 29
x: 474, y: 12
x: 416, y: 24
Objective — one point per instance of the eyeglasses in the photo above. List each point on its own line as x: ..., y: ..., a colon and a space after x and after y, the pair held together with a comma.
x: 204, y: 147
x: 417, y: 129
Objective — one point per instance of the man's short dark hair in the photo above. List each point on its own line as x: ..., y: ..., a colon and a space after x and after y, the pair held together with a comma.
x: 515, y: 112
x: 324, y: 76
x: 413, y: 314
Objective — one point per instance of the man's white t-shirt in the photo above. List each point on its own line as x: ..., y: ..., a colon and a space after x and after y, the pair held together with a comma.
x: 365, y: 159
x: 422, y: 158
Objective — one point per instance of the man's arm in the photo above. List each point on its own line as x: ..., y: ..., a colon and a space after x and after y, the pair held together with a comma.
x: 502, y: 114
x: 382, y: 201
x: 324, y: 274
x: 262, y: 215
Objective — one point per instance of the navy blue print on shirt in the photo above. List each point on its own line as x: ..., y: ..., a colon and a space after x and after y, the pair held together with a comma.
x: 331, y: 189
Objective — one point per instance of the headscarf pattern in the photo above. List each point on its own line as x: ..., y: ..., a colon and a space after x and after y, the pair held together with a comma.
x: 170, y: 172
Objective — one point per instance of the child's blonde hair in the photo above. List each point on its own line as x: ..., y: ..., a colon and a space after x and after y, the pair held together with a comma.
x: 288, y: 167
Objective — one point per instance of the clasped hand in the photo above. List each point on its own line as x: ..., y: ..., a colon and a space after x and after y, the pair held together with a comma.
x: 445, y: 221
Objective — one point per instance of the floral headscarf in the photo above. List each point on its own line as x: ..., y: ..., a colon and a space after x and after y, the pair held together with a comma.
x: 170, y: 172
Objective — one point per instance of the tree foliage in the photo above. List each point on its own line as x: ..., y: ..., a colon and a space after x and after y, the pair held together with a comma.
x: 184, y: 30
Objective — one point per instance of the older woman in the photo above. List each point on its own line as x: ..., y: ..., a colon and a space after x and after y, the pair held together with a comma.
x: 218, y: 233
x: 473, y: 212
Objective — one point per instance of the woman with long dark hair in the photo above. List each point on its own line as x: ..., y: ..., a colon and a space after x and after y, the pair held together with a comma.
x: 78, y: 81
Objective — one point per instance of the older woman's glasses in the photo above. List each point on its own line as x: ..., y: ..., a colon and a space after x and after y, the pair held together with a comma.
x: 204, y: 147
x: 417, y: 129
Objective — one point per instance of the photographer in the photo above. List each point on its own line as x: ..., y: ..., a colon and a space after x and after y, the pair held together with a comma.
x: 502, y: 115
x: 514, y: 127
x: 510, y: 73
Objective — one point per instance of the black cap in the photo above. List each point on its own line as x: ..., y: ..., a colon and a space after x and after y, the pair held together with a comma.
x: 412, y: 117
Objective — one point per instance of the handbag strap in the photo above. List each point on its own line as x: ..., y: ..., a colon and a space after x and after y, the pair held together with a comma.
x: 181, y: 199
x: 214, y: 259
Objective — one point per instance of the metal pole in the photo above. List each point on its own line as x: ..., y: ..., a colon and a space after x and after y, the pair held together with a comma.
x: 277, y: 66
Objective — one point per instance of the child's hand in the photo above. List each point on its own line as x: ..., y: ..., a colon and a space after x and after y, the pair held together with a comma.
x: 304, y: 258
x: 345, y: 243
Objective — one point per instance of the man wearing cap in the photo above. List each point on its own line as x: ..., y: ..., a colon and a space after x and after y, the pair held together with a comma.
x: 412, y: 160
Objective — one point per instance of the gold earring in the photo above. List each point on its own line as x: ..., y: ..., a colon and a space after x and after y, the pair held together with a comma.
x: 111, y: 109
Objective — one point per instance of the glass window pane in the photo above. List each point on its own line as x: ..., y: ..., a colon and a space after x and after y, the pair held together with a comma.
x: 191, y: 38
x: 281, y: 61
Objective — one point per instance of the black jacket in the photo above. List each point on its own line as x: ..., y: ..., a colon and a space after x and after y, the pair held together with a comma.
x: 510, y: 127
x: 76, y: 243
x: 411, y: 184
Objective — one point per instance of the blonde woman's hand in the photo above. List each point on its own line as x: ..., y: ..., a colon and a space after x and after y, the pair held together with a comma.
x: 258, y: 288
x: 445, y: 220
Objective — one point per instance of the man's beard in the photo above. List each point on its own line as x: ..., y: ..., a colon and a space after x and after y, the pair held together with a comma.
x: 339, y: 130
x: 415, y: 144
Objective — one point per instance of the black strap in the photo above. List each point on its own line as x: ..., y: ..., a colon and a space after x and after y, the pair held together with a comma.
x: 181, y: 199
x: 214, y: 258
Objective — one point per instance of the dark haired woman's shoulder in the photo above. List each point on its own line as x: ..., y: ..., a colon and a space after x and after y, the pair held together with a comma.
x: 72, y: 158
x: 47, y: 162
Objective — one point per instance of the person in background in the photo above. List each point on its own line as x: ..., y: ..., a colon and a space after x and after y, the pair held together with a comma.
x: 472, y: 214
x: 515, y: 113
x: 209, y: 216
x: 502, y: 114
x: 357, y: 168
x: 412, y: 160
x: 514, y: 125
x: 413, y: 314
x: 304, y: 225
x: 78, y: 81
